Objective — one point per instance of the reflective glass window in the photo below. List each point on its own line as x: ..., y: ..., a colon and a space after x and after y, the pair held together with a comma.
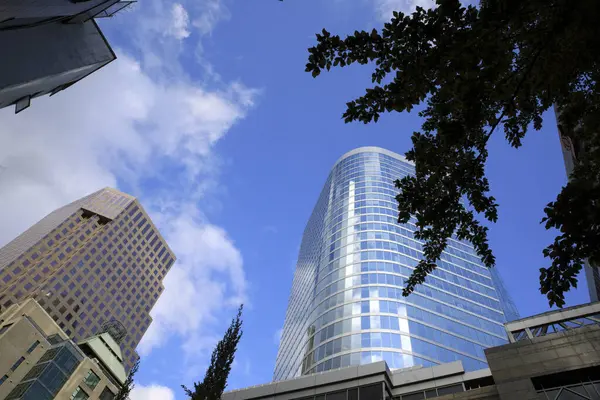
x: 91, y: 379
x: 79, y: 394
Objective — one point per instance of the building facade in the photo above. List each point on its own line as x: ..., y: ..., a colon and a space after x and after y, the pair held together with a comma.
x: 97, y: 259
x: 551, y: 356
x: 50, y: 45
x: 572, y: 149
x: 40, y: 362
x: 346, y: 306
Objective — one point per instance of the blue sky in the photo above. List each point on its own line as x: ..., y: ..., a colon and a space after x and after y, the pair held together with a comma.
x: 209, y: 118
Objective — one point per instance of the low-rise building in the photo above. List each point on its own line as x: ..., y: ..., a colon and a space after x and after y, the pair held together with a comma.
x: 551, y: 356
x: 38, y: 361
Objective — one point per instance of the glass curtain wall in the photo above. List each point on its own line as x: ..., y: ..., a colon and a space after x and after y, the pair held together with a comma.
x: 346, y: 305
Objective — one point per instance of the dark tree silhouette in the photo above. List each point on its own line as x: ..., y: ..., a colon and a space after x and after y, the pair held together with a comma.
x: 215, y: 380
x: 478, y: 69
x: 128, y: 386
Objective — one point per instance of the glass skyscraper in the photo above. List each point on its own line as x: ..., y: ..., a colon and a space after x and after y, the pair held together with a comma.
x: 346, y: 305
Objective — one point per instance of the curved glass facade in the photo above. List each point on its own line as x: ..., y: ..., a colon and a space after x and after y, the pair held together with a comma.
x: 346, y: 305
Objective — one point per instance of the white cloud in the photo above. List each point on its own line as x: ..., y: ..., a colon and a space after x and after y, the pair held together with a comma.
x: 118, y: 122
x: 143, y: 122
x: 179, y: 22
x: 210, y: 13
x: 386, y: 8
x: 152, y: 392
x: 204, y: 251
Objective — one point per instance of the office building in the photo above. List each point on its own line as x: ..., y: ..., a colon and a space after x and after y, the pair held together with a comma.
x: 572, y: 150
x: 97, y: 259
x: 40, y: 362
x: 346, y: 306
x: 551, y: 356
x: 48, y: 45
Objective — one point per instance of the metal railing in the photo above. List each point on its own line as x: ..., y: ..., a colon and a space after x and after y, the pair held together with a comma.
x: 553, y: 322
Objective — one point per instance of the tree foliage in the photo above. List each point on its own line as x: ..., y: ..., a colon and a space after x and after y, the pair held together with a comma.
x: 215, y: 380
x: 129, y: 384
x: 478, y: 70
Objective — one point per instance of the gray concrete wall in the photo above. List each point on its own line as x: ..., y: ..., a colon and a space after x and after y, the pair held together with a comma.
x: 315, y: 384
x: 40, y: 59
x: 513, y: 365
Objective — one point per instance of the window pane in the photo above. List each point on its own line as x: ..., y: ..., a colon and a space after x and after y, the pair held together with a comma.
x: 592, y: 392
x: 67, y: 361
x: 18, y: 391
x: 17, y: 363
x: 92, y: 379
x: 35, y: 371
x: 450, y: 389
x: 108, y: 395
x: 353, y: 394
x: 54, y: 339
x: 53, y: 378
x: 552, y: 393
x: 372, y: 392
x: 4, y: 328
x: 33, y: 346
x: 337, y: 395
x: 79, y: 394
x: 578, y: 389
x: 414, y: 396
x: 49, y: 355
x: 37, y: 392
x: 566, y: 394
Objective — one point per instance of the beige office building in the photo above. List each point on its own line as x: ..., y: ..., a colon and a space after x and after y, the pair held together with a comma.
x: 39, y: 362
x: 95, y: 260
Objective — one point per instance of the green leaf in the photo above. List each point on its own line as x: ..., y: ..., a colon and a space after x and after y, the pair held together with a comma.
x: 462, y: 67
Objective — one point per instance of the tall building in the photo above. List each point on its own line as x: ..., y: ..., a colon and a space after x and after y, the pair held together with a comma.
x: 346, y: 306
x: 97, y: 259
x: 49, y: 45
x: 40, y: 362
x: 572, y: 150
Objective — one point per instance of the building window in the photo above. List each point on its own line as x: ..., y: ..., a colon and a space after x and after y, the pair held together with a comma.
x: 5, y: 377
x: 33, y: 347
x: 17, y: 363
x: 582, y: 383
x: 107, y: 394
x: 91, y: 379
x: 79, y: 394
x: 5, y: 328
x: 372, y: 392
x: 54, y: 339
